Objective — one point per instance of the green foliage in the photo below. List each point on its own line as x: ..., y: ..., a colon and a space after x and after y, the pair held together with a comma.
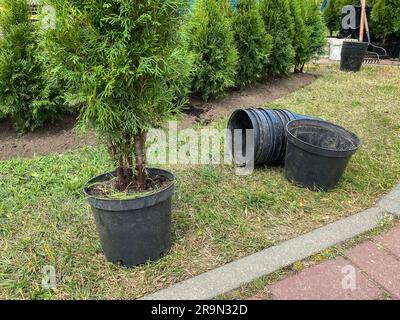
x: 279, y: 24
x: 180, y: 82
x: 226, y: 8
x: 386, y: 18
x: 315, y: 28
x: 252, y: 41
x: 25, y: 94
x: 123, y: 58
x: 211, y: 40
x: 332, y: 15
x: 301, y: 36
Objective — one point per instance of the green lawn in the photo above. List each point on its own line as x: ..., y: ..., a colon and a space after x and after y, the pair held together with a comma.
x: 218, y: 216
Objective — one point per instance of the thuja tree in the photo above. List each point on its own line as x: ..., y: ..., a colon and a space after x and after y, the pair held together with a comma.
x: 386, y: 18
x: 278, y: 23
x: 315, y: 26
x: 123, y: 56
x: 332, y: 15
x: 25, y: 94
x: 252, y: 41
x: 301, y: 36
x: 211, y: 41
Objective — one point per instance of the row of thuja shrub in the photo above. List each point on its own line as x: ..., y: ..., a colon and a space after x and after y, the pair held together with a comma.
x: 385, y: 16
x: 27, y: 94
x: 238, y: 46
x: 224, y: 46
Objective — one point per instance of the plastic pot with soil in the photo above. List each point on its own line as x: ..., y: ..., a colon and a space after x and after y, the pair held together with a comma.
x: 135, y: 228
x: 318, y: 153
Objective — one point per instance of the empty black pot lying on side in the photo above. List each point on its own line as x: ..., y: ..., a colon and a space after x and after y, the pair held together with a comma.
x: 269, y: 133
x: 318, y: 152
x: 134, y: 231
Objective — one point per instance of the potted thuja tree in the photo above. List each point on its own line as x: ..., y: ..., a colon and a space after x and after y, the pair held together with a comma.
x: 122, y: 59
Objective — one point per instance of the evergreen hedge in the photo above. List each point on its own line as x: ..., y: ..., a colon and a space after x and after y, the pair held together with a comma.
x: 211, y: 40
x: 252, y: 41
x: 26, y: 95
x: 220, y: 47
x: 386, y: 19
x: 314, y: 22
x: 332, y: 15
x: 301, y: 36
x: 279, y: 23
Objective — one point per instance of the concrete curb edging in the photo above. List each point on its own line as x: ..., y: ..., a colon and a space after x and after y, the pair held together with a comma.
x: 237, y: 273
x: 391, y: 201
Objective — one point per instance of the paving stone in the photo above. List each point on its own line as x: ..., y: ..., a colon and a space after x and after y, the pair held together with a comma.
x: 379, y: 265
x: 391, y: 240
x: 390, y: 206
x: 326, y: 281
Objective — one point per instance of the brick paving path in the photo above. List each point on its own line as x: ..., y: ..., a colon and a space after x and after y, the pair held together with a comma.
x: 370, y: 270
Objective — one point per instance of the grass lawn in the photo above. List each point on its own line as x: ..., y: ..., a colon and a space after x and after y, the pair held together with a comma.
x: 218, y: 216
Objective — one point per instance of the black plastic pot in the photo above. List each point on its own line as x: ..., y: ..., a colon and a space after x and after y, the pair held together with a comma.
x: 352, y: 56
x: 269, y: 132
x: 318, y: 153
x: 134, y: 231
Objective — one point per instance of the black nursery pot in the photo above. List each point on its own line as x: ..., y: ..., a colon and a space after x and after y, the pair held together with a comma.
x: 134, y: 231
x: 269, y: 132
x: 318, y: 153
x: 352, y: 56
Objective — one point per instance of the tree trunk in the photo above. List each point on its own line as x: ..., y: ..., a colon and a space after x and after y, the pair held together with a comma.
x: 140, y: 157
x: 125, y: 177
x: 125, y: 166
x: 299, y: 68
x: 122, y: 183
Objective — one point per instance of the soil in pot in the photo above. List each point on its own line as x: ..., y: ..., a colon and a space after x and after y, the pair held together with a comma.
x: 133, y: 227
x: 107, y: 189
